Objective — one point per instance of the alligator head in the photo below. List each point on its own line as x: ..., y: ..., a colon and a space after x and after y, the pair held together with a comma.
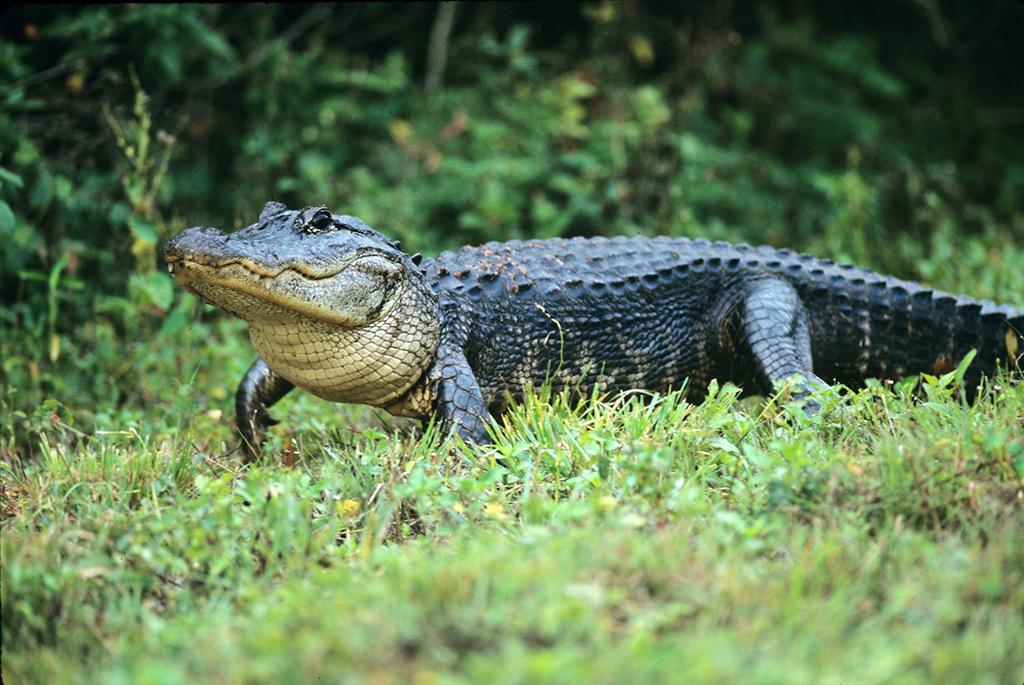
x: 329, y: 300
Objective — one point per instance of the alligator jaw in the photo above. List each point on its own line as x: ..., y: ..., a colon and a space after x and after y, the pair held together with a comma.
x: 197, y: 277
x: 282, y: 287
x: 179, y: 254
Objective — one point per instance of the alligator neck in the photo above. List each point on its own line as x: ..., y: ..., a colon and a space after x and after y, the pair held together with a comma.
x: 373, y: 364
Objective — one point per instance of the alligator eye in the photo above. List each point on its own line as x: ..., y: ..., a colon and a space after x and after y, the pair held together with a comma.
x: 321, y: 221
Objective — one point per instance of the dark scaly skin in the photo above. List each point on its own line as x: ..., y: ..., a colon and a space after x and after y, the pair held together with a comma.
x: 653, y: 312
x: 259, y: 389
x: 635, y: 313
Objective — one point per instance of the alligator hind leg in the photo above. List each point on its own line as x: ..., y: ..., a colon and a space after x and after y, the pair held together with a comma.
x: 769, y: 327
x: 259, y: 389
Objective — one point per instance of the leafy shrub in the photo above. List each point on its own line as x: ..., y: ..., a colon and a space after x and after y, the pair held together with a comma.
x: 124, y: 125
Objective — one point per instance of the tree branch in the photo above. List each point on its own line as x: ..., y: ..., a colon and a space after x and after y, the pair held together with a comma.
x: 437, y: 53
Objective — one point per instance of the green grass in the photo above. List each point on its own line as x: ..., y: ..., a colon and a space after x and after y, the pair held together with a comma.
x: 634, y: 540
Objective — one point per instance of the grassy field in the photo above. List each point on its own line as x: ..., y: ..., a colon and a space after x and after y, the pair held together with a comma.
x: 626, y: 540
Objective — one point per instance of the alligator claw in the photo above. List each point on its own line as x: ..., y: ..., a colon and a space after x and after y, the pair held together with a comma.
x: 259, y: 389
x: 253, y: 431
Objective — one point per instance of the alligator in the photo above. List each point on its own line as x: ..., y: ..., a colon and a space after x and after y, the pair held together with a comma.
x: 338, y: 309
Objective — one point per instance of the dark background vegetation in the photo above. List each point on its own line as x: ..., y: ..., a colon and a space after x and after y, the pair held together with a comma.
x: 887, y: 133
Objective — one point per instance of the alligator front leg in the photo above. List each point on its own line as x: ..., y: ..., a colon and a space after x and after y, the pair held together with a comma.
x: 460, y: 402
x: 767, y: 326
x: 259, y: 390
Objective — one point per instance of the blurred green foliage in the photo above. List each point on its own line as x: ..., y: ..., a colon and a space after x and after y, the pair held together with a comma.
x: 889, y: 135
x: 624, y: 541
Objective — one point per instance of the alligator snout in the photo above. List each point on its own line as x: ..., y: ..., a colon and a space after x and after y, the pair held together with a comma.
x: 200, y: 243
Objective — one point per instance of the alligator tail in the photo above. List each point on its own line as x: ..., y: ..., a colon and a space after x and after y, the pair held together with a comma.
x: 942, y: 329
x: 997, y: 333
x: 871, y: 326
